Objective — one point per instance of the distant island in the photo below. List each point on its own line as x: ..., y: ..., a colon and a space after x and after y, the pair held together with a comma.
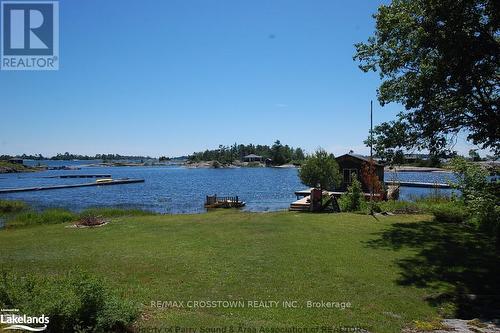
x: 240, y: 155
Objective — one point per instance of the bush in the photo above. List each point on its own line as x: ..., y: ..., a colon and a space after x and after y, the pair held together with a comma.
x: 351, y: 201
x: 485, y: 212
x: 480, y: 197
x: 90, y: 220
x: 450, y: 212
x: 399, y: 207
x: 75, y: 301
x: 10, y: 206
x: 374, y: 206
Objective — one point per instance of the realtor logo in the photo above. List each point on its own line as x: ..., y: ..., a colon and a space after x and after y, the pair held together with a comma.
x: 30, y: 35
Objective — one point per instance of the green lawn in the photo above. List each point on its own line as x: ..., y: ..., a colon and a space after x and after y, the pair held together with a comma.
x: 382, y: 266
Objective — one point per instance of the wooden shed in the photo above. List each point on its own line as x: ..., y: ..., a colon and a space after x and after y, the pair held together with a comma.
x: 353, y: 164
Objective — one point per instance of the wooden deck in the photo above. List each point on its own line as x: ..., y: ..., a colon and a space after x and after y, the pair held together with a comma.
x: 213, y: 201
x: 56, y: 187
x: 303, y: 204
x: 304, y: 193
x: 303, y: 196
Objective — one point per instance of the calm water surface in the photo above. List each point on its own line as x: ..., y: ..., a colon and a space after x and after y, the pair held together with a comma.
x: 175, y: 189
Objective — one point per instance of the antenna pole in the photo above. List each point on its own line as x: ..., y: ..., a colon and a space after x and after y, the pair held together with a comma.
x: 371, y: 157
x: 371, y: 129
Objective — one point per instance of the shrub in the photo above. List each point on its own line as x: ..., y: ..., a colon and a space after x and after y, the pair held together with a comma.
x: 90, y: 220
x: 374, y: 206
x: 370, y: 177
x: 351, y: 200
x: 480, y: 197
x: 449, y: 212
x: 486, y: 213
x: 399, y: 207
x: 10, y: 206
x: 471, y: 178
x: 75, y: 301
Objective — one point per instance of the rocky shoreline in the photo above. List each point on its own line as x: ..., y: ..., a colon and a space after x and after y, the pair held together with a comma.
x: 15, y: 168
x: 235, y: 164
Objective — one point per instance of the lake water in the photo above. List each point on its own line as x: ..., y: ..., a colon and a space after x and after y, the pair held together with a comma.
x: 176, y: 189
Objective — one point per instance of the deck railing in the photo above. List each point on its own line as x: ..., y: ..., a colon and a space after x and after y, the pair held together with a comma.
x: 212, y: 199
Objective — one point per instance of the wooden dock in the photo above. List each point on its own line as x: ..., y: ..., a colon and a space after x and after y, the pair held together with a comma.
x: 213, y: 201
x: 301, y: 205
x: 303, y: 202
x: 417, y: 184
x: 57, y: 187
x: 304, y: 193
x: 80, y: 176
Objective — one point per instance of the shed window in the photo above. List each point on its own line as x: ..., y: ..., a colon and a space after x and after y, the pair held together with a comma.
x: 348, y: 175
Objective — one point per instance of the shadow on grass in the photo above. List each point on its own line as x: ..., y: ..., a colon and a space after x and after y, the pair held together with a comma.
x: 458, y: 264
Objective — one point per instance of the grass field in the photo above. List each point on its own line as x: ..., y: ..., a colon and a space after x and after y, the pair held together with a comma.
x: 392, y: 270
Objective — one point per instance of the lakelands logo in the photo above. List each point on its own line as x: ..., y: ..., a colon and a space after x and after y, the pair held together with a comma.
x: 14, y: 321
x: 30, y: 35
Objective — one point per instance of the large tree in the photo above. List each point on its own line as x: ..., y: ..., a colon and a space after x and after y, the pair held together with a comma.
x: 320, y: 170
x: 440, y: 59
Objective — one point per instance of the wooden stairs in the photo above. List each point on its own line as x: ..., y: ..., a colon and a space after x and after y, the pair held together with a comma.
x: 301, y: 205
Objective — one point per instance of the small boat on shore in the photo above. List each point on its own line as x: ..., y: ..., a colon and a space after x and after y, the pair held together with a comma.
x: 104, y: 180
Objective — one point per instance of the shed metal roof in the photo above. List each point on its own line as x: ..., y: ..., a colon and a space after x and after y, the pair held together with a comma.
x: 359, y: 157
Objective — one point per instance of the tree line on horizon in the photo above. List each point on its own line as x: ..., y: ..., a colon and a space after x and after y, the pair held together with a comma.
x: 278, y: 154
x: 68, y: 156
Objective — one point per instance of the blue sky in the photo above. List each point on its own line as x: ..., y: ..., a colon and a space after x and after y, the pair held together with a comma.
x: 171, y: 77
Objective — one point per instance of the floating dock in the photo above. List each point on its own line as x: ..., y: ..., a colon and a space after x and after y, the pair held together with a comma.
x: 56, y: 187
x: 417, y: 184
x: 79, y: 176
x: 213, y: 201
